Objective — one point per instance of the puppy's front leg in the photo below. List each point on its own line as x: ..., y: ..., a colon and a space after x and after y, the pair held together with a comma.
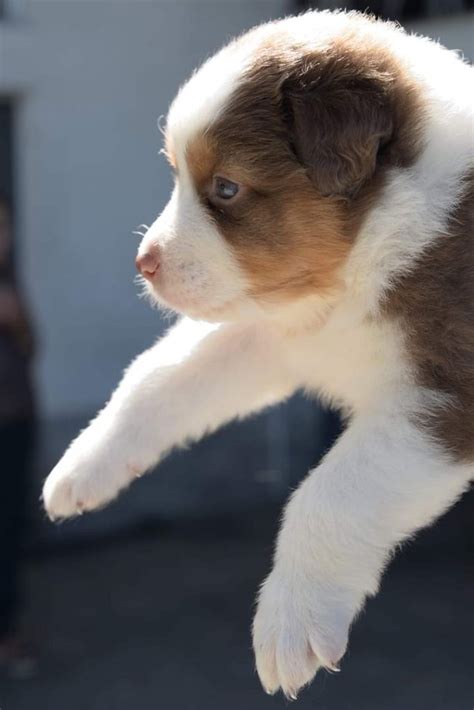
x: 381, y: 482
x: 190, y: 382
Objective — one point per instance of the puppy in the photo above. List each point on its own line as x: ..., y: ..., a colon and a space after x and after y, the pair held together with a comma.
x: 319, y: 237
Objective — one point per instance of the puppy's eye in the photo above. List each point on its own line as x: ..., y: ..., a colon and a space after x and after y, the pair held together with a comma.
x: 224, y: 189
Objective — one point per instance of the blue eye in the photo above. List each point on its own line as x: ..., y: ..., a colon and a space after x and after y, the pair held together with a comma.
x: 225, y: 189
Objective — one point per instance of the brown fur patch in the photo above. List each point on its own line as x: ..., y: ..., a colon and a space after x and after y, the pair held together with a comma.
x: 352, y: 112
x: 202, y: 158
x: 310, y: 134
x: 289, y: 243
x: 435, y: 303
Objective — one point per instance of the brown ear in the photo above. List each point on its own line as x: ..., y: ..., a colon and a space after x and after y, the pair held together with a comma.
x: 339, y: 116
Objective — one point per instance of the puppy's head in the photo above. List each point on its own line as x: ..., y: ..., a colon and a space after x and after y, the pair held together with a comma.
x: 279, y: 144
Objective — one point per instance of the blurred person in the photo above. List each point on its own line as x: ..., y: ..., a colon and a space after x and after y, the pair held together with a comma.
x: 17, y: 429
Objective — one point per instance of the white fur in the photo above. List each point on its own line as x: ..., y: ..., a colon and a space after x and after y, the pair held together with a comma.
x: 198, y: 274
x: 381, y: 482
x: 384, y: 479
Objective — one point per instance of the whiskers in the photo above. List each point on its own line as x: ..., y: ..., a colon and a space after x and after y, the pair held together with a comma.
x: 139, y: 230
x: 145, y: 293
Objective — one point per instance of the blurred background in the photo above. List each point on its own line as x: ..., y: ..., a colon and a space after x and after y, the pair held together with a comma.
x: 148, y: 603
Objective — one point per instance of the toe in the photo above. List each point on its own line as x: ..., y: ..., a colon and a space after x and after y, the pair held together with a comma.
x: 330, y: 647
x: 297, y: 665
x: 56, y: 498
x: 265, y: 659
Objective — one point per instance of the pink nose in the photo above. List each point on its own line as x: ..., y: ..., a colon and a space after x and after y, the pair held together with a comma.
x: 148, y: 262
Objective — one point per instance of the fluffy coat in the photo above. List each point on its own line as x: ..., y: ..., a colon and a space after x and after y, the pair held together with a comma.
x: 343, y: 266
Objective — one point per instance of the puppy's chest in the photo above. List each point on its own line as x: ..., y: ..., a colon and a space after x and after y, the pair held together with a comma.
x: 348, y: 363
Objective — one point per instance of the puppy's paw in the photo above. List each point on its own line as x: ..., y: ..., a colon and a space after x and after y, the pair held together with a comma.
x: 297, y: 630
x: 87, y: 477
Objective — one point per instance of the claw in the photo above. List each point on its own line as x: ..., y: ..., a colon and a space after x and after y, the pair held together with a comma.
x: 135, y: 471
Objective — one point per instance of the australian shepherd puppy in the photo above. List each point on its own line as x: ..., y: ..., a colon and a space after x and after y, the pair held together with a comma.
x: 319, y: 237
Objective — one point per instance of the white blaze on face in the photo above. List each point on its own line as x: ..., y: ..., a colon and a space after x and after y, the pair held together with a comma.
x: 198, y: 273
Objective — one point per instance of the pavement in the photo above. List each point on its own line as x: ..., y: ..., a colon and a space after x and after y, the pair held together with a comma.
x: 159, y: 619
